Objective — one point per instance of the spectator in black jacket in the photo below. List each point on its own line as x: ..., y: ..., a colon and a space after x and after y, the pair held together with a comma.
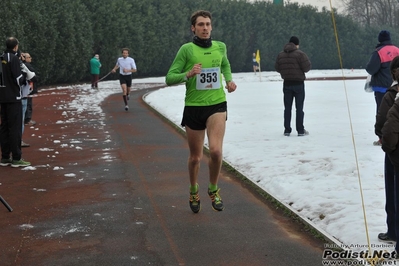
x: 378, y: 68
x: 11, y: 107
x: 391, y: 95
x: 292, y: 64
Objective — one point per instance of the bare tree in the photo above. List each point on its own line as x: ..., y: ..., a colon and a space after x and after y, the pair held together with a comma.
x: 373, y: 12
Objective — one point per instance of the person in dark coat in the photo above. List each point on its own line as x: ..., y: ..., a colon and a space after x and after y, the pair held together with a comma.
x: 11, y: 107
x: 292, y: 64
x: 387, y: 102
x: 378, y: 68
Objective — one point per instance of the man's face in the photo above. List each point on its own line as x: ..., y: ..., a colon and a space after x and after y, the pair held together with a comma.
x: 28, y: 58
x: 202, y: 28
x: 125, y: 53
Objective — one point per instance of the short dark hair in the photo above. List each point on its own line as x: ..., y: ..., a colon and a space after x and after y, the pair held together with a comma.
x: 11, y: 42
x: 200, y: 13
x: 125, y: 49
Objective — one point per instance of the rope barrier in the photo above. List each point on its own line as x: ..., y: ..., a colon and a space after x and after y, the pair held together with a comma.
x: 372, y: 261
x: 104, y: 76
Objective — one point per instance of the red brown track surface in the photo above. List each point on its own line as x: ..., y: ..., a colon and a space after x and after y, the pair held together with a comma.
x: 112, y: 189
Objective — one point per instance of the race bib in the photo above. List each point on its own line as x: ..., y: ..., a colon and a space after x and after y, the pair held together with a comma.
x: 208, y: 79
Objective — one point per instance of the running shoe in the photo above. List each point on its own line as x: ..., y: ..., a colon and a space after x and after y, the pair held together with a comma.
x: 217, y: 203
x: 30, y: 123
x: 20, y: 163
x: 385, y: 237
x: 5, y: 162
x: 24, y: 144
x: 304, y: 133
x: 195, y: 202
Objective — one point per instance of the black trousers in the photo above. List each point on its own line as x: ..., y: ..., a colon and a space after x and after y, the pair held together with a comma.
x: 390, y: 196
x: 378, y: 99
x: 29, y: 110
x: 291, y: 93
x: 392, y: 199
x: 11, y: 130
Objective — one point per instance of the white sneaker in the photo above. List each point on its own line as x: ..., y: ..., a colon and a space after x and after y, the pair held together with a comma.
x: 24, y: 144
x: 126, y: 108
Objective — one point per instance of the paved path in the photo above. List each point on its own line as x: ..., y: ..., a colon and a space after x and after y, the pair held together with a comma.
x: 113, y: 190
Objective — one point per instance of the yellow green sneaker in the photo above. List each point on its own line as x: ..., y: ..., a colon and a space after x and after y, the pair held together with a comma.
x: 195, y: 202
x: 20, y: 163
x: 217, y: 203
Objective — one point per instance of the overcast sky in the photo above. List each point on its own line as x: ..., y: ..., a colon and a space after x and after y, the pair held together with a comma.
x: 313, y: 2
x: 319, y: 3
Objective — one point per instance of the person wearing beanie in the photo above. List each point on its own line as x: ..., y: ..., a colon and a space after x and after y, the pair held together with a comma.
x: 384, y: 36
x: 294, y: 40
x: 378, y: 68
x: 292, y: 64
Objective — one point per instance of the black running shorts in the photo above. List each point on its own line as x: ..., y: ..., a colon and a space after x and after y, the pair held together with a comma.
x: 195, y: 117
x: 125, y: 79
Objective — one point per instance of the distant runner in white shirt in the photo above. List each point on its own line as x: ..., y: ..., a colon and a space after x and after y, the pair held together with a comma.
x: 126, y: 66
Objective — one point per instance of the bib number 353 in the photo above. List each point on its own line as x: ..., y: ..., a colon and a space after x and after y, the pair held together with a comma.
x: 208, y: 79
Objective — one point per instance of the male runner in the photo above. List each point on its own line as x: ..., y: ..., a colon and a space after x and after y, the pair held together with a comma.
x: 200, y: 64
x: 126, y: 66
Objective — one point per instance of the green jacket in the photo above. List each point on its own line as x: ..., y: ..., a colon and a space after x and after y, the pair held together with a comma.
x: 95, y: 66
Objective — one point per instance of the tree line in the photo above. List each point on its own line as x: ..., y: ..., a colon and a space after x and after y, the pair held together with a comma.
x: 373, y: 12
x: 62, y: 36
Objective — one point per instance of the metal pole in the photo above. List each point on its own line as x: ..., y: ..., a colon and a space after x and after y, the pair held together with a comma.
x: 5, y: 204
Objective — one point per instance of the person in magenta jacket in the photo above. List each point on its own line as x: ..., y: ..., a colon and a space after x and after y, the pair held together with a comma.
x: 378, y: 68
